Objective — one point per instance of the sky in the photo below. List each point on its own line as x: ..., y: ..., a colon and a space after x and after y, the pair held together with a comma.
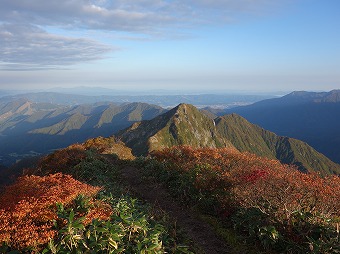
x: 211, y: 45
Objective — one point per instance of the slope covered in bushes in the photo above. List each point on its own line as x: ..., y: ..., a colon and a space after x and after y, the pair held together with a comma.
x: 253, y: 202
x: 270, y: 203
x: 58, y: 209
x: 28, y: 208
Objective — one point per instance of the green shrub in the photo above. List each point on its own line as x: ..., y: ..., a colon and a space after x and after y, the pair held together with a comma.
x: 129, y: 230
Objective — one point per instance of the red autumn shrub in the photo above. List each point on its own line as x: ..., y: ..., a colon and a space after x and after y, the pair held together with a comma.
x: 28, y: 208
x: 284, y: 190
x: 60, y: 161
x: 252, y: 181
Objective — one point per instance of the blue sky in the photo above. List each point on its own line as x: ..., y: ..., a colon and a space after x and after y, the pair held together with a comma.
x: 248, y: 45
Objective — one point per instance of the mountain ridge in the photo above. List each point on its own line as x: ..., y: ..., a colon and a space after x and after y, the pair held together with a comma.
x: 308, y: 116
x: 186, y: 125
x: 55, y: 127
x: 166, y: 130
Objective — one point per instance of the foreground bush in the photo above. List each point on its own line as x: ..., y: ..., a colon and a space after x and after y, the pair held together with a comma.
x: 276, y: 204
x: 109, y: 146
x: 130, y: 230
x: 58, y: 214
x: 28, y: 208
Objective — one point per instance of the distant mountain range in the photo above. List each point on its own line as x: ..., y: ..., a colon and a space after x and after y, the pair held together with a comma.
x: 313, y: 117
x: 186, y: 125
x: 28, y: 128
x: 221, y: 100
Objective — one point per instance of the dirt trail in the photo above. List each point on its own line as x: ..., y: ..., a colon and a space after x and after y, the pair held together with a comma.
x: 199, y: 231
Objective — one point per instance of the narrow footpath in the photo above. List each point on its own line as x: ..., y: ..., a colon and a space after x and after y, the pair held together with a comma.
x: 199, y: 231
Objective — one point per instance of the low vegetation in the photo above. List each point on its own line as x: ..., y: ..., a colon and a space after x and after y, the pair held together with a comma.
x: 29, y: 208
x: 75, y: 201
x: 53, y: 212
x: 266, y: 202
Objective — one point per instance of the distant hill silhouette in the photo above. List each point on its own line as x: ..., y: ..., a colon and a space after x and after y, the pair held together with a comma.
x: 27, y: 128
x: 160, y: 100
x: 309, y: 116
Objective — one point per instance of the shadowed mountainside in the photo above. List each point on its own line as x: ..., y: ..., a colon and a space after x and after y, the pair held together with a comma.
x: 27, y: 128
x: 308, y: 116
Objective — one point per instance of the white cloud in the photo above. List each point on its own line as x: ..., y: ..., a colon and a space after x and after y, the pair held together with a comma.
x: 126, y: 15
x: 29, y: 47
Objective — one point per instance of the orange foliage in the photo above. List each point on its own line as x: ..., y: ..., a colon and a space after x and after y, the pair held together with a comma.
x: 62, y: 160
x: 290, y: 190
x: 109, y: 146
x: 256, y: 182
x: 28, y: 208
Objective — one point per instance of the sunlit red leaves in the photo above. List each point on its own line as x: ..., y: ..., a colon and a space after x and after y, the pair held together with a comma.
x: 59, y: 161
x: 109, y: 146
x: 28, y: 207
x: 254, y: 176
x: 187, y: 157
x: 99, y: 210
x: 65, y: 160
x: 258, y: 182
